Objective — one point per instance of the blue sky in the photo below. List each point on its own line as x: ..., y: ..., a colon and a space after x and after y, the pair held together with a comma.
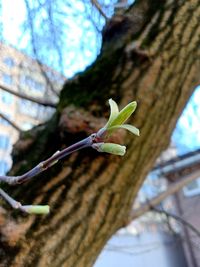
x: 82, y: 46
x: 187, y: 133
x: 83, y: 42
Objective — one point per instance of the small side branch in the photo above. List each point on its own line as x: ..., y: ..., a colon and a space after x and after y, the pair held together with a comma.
x: 13, y: 203
x: 33, y: 41
x: 94, y: 141
x: 10, y: 122
x: 13, y: 180
x: 30, y: 98
x: 42, y: 166
x: 36, y: 209
x: 98, y: 7
x: 180, y: 219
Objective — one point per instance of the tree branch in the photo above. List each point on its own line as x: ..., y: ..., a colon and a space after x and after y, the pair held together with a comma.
x: 10, y: 122
x: 42, y: 166
x: 33, y: 42
x: 37, y: 209
x: 94, y: 141
x: 30, y: 98
x: 172, y: 189
x: 98, y: 7
x: 180, y: 219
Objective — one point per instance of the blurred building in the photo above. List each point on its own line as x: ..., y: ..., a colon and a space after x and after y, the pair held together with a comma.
x: 155, y: 238
x: 23, y: 74
x: 187, y: 201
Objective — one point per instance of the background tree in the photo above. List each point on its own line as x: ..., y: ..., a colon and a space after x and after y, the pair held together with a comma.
x: 150, y: 53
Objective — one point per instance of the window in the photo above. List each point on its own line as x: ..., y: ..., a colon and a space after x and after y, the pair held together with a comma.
x: 32, y: 84
x: 9, y: 62
x: 28, y: 108
x: 6, y: 98
x: 4, y: 141
x: 3, y: 167
x: 7, y: 79
x: 192, y: 189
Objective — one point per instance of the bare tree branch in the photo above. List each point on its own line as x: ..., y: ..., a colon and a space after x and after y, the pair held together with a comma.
x: 173, y: 188
x: 30, y: 98
x: 42, y: 166
x: 53, y: 31
x: 98, y: 7
x: 30, y: 21
x: 180, y: 219
x: 10, y: 122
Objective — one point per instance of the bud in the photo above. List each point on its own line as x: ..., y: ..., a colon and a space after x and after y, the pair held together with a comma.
x: 36, y: 209
x: 117, y: 118
x: 54, y: 162
x: 111, y: 148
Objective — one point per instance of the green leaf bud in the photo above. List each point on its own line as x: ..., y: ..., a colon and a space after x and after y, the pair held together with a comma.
x: 110, y: 148
x: 36, y: 209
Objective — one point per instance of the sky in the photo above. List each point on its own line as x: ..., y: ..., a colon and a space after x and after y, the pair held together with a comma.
x: 187, y: 133
x: 83, y: 43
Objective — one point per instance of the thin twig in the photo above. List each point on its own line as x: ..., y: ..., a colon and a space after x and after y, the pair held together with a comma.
x: 98, y: 7
x: 30, y: 98
x: 37, y: 209
x: 180, y: 219
x: 42, y: 166
x: 13, y: 180
x: 33, y: 42
x: 10, y: 122
x: 13, y: 203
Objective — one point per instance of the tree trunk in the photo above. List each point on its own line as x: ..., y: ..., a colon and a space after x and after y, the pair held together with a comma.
x: 151, y: 55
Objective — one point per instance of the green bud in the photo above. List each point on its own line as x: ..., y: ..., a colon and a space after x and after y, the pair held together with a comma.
x: 110, y: 148
x: 36, y: 209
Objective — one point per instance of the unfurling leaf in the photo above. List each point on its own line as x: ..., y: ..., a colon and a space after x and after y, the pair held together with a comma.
x: 128, y: 127
x: 124, y: 114
x: 117, y: 119
x: 114, y: 111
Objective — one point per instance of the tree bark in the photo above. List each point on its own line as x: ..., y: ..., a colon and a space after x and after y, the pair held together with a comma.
x: 151, y: 55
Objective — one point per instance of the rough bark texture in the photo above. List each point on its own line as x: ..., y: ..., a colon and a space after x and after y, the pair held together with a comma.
x: 151, y: 55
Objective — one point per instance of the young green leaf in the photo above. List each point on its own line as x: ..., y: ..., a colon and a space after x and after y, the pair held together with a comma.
x: 114, y: 111
x: 128, y: 127
x: 124, y: 114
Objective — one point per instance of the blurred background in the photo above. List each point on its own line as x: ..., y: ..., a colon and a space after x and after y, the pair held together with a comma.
x: 43, y: 44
